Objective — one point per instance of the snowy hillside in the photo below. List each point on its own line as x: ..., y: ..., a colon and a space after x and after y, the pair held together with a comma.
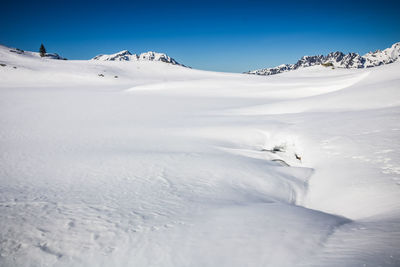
x: 142, y: 163
x: 31, y: 54
x: 339, y: 60
x: 125, y: 55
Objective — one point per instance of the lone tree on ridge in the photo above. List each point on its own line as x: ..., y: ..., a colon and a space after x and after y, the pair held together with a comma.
x: 42, y: 50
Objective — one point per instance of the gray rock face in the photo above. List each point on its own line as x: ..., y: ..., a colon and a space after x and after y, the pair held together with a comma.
x: 339, y: 60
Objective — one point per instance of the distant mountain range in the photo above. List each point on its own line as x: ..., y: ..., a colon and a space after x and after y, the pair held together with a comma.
x: 338, y: 60
x: 334, y: 59
x: 125, y: 55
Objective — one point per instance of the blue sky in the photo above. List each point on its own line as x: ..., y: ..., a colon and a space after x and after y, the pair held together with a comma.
x: 231, y: 35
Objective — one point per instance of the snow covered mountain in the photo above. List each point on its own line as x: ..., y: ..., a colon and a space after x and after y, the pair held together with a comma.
x: 125, y: 55
x: 339, y: 60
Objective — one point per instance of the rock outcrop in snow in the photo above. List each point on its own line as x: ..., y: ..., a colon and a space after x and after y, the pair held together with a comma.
x: 125, y: 55
x: 339, y: 60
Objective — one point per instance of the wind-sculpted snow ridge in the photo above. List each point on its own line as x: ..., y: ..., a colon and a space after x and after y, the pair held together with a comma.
x: 339, y: 60
x: 125, y: 55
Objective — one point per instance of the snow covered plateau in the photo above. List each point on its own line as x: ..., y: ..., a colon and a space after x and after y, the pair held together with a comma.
x: 143, y: 163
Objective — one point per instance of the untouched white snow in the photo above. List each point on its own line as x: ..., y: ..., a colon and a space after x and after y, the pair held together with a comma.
x: 169, y: 166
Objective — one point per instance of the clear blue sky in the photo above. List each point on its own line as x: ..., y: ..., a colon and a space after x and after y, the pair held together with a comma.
x: 213, y: 35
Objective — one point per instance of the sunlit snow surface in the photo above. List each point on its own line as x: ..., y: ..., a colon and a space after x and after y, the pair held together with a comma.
x: 170, y: 166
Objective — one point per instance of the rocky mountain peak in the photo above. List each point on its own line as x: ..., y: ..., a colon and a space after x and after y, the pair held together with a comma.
x: 340, y: 60
x: 125, y: 55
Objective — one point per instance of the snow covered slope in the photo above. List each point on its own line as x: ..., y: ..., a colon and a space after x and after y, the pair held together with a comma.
x: 339, y: 60
x: 125, y: 55
x: 30, y: 54
x: 153, y: 164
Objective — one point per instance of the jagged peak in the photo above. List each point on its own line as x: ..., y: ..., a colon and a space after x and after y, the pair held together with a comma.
x: 125, y: 55
x: 336, y: 53
x: 340, y: 60
x: 396, y: 45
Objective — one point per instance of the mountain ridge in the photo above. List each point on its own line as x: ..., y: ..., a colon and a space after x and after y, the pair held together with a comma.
x: 339, y: 60
x: 125, y: 55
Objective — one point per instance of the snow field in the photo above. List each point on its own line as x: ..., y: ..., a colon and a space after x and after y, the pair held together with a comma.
x: 169, y: 166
